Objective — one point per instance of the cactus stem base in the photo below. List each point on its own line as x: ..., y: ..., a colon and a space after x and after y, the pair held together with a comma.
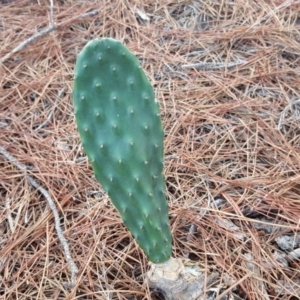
x: 180, y: 279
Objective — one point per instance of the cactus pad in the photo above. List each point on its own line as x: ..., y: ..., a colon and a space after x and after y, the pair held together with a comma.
x: 121, y: 132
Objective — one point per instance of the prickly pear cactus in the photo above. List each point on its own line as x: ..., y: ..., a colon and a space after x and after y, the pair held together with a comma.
x: 121, y: 132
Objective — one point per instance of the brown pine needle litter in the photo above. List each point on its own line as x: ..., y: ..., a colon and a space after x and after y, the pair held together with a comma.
x: 227, y: 76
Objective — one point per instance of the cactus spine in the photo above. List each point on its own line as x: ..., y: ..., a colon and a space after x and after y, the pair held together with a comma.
x: 121, y: 132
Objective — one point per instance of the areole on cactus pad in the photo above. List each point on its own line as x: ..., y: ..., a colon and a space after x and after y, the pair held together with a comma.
x: 121, y: 132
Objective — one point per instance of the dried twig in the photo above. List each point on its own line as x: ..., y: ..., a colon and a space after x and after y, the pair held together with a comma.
x: 42, y: 33
x: 52, y: 206
x: 51, y: 12
x: 28, y: 42
x: 214, y: 66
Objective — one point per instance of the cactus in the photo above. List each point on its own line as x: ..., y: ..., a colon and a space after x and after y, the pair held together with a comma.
x: 121, y: 132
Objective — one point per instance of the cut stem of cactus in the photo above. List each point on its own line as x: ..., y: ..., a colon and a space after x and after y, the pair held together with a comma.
x: 181, y: 279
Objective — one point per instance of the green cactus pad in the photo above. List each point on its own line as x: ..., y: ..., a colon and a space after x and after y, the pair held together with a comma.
x: 121, y: 132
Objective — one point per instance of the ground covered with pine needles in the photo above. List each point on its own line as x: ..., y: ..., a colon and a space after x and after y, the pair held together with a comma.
x: 227, y: 77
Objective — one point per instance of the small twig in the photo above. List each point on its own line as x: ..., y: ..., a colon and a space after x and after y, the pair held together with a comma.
x: 52, y: 206
x: 80, y: 159
x: 43, y: 33
x: 214, y: 66
x: 51, y: 13
x: 28, y: 41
